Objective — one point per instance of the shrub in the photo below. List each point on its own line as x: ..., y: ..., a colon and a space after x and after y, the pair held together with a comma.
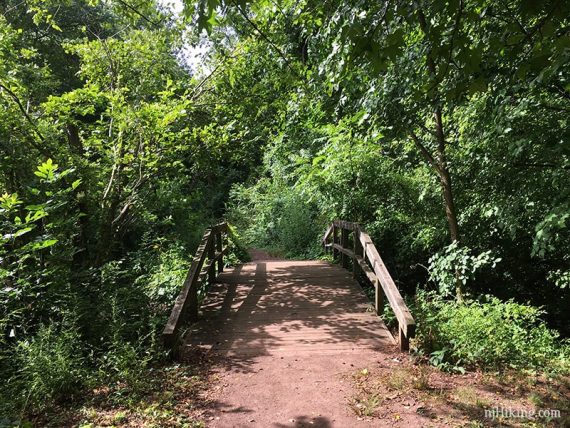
x: 169, y: 268
x: 457, y: 263
x: 297, y: 231
x: 237, y: 249
x: 50, y: 367
x: 490, y: 334
x: 126, y: 366
x: 274, y: 216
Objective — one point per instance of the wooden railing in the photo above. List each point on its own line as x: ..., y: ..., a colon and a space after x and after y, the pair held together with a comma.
x: 206, y: 265
x: 365, y: 258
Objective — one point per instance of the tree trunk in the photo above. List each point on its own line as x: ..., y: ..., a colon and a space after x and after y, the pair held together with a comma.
x: 450, y: 211
x: 107, y: 229
x: 445, y: 177
x: 447, y: 190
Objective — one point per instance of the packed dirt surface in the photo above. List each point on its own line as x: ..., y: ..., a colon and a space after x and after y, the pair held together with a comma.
x: 303, y: 390
x: 257, y: 255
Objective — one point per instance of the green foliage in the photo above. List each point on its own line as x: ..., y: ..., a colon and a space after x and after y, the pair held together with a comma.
x: 51, y: 367
x: 457, y: 263
x: 489, y: 333
x: 295, y: 224
x: 128, y: 365
x: 237, y: 252
x: 560, y: 278
x: 551, y: 230
x: 162, y: 282
x: 391, y: 96
x: 277, y: 218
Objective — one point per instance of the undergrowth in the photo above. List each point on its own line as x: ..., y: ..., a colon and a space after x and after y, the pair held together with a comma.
x: 487, y: 333
x: 116, y: 354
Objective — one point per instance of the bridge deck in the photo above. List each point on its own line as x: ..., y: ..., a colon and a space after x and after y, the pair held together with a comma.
x: 290, y: 335
x: 288, y: 307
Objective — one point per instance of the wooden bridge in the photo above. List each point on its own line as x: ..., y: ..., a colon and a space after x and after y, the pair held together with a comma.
x: 269, y: 307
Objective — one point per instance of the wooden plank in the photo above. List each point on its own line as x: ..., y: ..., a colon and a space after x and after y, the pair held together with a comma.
x: 220, y: 254
x: 346, y: 225
x: 220, y: 228
x: 380, y: 277
x: 277, y: 314
x: 207, y: 266
x: 381, y: 273
x: 367, y: 271
x: 343, y: 250
x: 404, y: 340
x: 378, y: 298
x: 395, y: 299
x: 361, y: 262
x: 357, y: 250
x: 186, y: 304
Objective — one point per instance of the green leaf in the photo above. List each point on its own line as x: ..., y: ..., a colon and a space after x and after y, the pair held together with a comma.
x: 40, y: 245
x: 22, y: 231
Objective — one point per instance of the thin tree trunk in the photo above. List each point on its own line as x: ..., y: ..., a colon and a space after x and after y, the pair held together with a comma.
x: 450, y: 210
x: 445, y: 178
x: 114, y: 193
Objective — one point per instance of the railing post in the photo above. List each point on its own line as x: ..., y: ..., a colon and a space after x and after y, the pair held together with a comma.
x: 211, y: 256
x: 404, y: 340
x: 192, y: 308
x: 334, y: 241
x: 219, y: 248
x: 357, y: 250
x: 344, y: 244
x: 378, y: 298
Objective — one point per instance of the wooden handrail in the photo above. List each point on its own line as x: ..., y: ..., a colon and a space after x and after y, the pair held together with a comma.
x: 365, y: 257
x: 185, y: 308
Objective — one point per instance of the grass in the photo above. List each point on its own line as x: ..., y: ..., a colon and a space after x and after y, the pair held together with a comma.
x: 175, y: 396
x: 421, y: 395
x: 366, y: 403
x: 536, y: 400
x: 366, y: 406
x: 120, y: 418
x: 469, y: 396
x: 420, y: 380
x: 398, y: 379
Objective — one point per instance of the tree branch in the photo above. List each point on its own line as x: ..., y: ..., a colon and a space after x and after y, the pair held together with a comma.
x: 24, y: 111
x: 136, y: 11
x: 266, y: 38
x: 425, y: 152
